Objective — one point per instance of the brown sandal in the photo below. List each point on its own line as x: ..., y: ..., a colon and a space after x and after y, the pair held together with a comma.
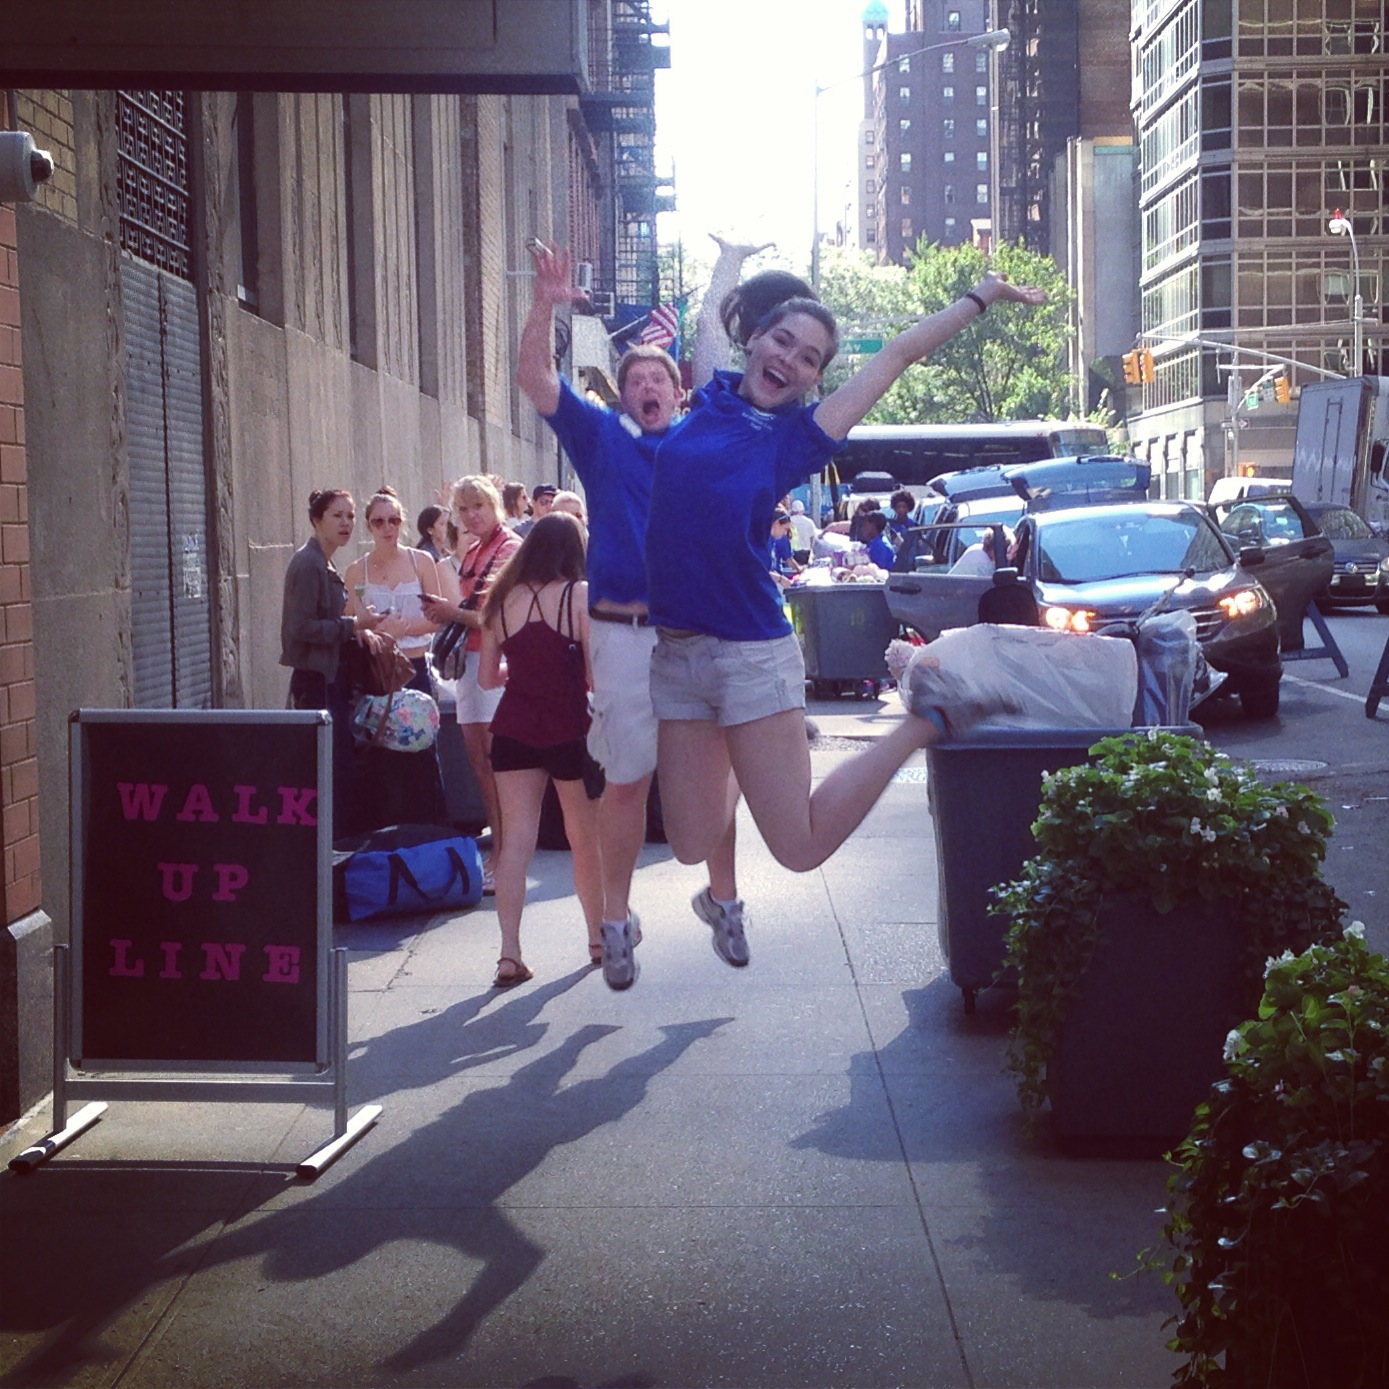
x: 518, y: 974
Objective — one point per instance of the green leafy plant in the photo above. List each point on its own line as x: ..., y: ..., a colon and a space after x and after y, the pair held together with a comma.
x: 1167, y: 817
x: 1278, y: 1213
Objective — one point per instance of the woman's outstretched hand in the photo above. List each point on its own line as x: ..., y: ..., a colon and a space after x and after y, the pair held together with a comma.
x: 993, y: 289
x: 554, y: 279
x: 740, y: 250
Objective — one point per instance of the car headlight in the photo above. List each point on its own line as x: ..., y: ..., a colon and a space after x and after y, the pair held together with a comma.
x: 1060, y: 619
x: 1243, y: 603
x: 1384, y: 565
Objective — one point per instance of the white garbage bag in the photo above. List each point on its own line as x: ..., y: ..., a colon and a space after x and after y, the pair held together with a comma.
x: 1040, y: 678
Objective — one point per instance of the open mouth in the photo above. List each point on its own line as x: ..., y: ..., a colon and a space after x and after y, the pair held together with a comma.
x: 650, y: 410
x: 774, y: 379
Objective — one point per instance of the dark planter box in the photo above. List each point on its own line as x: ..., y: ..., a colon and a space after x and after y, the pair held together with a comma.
x: 1143, y: 1041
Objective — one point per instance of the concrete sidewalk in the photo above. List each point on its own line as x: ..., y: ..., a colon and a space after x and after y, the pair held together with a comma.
x: 812, y: 1172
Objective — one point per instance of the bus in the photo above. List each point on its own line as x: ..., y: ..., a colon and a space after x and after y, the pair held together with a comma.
x: 912, y: 454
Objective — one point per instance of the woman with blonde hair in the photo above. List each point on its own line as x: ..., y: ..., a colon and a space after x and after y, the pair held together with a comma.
x: 486, y: 544
x: 535, y: 651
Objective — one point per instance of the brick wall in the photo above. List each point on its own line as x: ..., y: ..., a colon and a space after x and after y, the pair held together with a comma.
x: 47, y: 116
x: 19, y: 773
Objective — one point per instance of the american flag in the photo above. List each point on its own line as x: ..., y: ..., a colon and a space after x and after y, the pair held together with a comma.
x: 663, y: 326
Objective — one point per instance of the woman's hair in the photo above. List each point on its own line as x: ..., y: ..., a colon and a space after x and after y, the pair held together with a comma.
x: 385, y: 493
x: 552, y: 550
x: 747, y: 304
x: 483, y: 486
x: 319, y: 502
x: 426, y: 519
x: 514, y: 499
x: 571, y: 502
x: 873, y: 521
x: 902, y: 495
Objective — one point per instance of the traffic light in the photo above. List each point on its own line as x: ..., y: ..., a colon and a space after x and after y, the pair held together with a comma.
x: 1145, y: 361
x: 1282, y: 390
x: 1133, y: 372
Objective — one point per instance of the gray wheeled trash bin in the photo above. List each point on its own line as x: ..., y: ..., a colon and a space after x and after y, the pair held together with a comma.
x: 844, y: 630
x: 984, y: 793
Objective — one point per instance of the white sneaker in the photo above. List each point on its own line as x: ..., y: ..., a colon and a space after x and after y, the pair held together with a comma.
x: 619, y: 968
x: 730, y: 944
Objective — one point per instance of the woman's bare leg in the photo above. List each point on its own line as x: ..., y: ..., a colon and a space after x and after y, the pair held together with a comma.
x: 477, y: 743
x: 581, y: 829
x: 693, y: 767
x: 520, y: 795
x: 772, y: 761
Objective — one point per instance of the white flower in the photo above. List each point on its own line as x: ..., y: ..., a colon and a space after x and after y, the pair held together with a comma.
x: 1355, y: 930
x: 1234, y: 1044
x: 1195, y: 826
x: 1152, y: 733
x: 1281, y: 811
x: 1209, y: 836
x: 1211, y: 775
x: 1213, y: 794
x: 1303, y: 827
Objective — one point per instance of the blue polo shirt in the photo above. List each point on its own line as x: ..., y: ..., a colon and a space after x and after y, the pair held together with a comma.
x: 614, y: 461
x: 716, y: 485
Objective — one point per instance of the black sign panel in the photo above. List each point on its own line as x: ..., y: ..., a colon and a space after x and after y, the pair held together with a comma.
x: 198, y: 930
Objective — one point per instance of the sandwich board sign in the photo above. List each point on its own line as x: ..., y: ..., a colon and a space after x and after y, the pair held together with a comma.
x: 201, y: 941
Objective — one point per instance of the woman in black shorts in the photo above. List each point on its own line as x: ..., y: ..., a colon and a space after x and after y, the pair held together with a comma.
x: 535, y: 648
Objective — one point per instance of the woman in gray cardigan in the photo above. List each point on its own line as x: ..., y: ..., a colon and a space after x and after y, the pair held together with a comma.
x: 314, y: 632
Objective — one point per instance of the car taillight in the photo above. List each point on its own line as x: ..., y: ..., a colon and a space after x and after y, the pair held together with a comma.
x: 1242, y: 603
x: 1069, y: 619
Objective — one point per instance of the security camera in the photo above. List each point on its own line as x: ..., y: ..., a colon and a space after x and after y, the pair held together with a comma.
x: 23, y: 166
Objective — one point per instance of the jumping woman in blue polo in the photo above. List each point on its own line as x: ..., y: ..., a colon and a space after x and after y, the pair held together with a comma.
x: 727, y: 678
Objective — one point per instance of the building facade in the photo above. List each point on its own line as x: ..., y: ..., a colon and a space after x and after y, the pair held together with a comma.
x: 925, y: 137
x: 219, y: 303
x: 1257, y: 121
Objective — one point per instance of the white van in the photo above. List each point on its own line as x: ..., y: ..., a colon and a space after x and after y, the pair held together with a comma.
x: 1236, y: 489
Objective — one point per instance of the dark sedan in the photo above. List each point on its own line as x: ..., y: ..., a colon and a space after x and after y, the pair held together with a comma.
x: 1361, y: 558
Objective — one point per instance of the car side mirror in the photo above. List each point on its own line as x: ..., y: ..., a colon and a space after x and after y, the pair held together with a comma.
x: 1249, y: 557
x: 1006, y: 575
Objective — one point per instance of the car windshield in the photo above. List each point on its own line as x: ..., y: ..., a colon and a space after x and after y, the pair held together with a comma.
x: 1083, y: 549
x: 1340, y: 523
x: 1263, y: 522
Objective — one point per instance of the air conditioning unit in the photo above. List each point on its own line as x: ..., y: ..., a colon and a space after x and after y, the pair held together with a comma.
x: 583, y: 276
x: 604, y: 303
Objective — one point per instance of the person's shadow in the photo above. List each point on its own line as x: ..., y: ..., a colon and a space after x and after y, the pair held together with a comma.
x: 463, y: 1163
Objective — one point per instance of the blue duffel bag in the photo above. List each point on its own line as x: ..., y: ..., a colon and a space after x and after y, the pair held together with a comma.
x: 414, y: 869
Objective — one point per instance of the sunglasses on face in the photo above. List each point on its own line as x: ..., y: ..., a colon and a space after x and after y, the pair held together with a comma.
x: 377, y: 522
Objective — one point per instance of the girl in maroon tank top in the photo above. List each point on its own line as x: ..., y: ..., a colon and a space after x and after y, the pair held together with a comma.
x: 535, y: 649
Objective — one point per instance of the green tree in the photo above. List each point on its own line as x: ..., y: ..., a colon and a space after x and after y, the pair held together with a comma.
x: 1009, y: 365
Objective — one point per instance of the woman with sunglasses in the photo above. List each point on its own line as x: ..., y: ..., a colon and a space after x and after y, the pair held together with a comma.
x: 391, y: 580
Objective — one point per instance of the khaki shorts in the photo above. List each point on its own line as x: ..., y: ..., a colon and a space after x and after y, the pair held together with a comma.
x: 622, y: 737
x: 729, y: 682
x: 472, y: 703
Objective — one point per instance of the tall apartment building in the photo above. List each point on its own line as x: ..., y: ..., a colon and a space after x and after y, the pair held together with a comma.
x: 219, y: 303
x: 1257, y: 121
x: 924, y: 141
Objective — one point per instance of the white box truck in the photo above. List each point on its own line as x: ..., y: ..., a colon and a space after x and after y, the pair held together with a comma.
x: 1341, y: 450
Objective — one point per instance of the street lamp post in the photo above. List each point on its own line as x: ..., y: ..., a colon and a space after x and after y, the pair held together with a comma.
x: 1340, y: 225
x: 994, y: 40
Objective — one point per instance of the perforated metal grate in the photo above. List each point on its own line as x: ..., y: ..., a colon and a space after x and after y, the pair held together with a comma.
x: 152, y: 179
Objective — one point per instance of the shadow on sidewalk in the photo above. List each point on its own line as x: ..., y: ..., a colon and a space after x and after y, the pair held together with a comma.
x: 161, y: 1225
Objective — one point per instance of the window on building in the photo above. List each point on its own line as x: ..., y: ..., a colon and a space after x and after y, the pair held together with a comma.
x: 948, y: 156
x: 981, y: 96
x: 981, y: 61
x: 906, y: 195
x: 947, y: 62
x: 981, y: 127
x: 981, y: 193
x: 950, y: 224
x: 869, y: 160
x: 869, y: 236
x: 947, y: 193
x: 867, y: 137
x: 952, y: 21
x: 906, y: 229
x: 869, y: 188
x: 905, y: 162
x: 981, y: 161
x: 904, y: 128
x: 904, y: 66
x: 948, y: 129
x: 947, y: 93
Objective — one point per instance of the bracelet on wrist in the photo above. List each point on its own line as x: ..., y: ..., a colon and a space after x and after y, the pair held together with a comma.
x: 983, y: 307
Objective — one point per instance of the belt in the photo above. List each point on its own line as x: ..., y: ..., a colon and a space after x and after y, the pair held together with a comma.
x: 626, y: 619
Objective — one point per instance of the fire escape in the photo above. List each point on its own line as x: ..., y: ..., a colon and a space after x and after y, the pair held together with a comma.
x: 620, y: 108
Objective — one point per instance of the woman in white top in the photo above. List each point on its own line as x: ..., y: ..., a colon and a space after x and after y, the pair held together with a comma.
x: 391, y: 580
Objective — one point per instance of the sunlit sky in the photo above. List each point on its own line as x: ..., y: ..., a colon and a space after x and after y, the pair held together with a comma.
x: 734, y: 117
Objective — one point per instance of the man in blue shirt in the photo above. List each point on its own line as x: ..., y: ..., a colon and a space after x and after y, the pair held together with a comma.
x: 612, y: 453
